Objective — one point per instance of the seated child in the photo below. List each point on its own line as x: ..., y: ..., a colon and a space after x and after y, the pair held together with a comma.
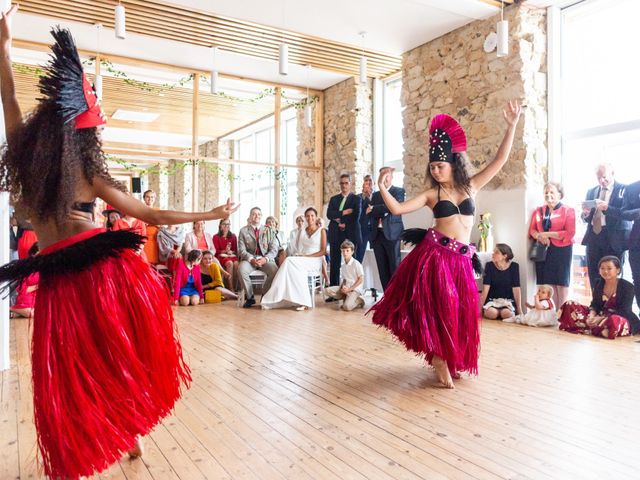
x: 543, y: 313
x: 212, y: 277
x: 352, y: 274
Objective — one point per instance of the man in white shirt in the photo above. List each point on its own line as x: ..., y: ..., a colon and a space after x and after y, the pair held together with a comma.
x: 352, y: 279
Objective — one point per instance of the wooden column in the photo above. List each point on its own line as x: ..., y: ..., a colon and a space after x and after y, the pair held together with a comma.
x: 318, y: 124
x: 276, y: 154
x: 194, y: 142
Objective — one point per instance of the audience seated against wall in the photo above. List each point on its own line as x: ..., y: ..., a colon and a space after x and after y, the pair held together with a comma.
x: 212, y: 278
x: 501, y: 295
x: 226, y: 252
x: 187, y: 280
x: 610, y: 314
x: 350, y: 291
x: 542, y: 312
x: 26, y: 299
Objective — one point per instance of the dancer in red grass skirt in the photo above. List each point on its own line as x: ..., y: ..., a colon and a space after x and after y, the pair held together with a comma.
x: 431, y: 303
x: 106, y: 359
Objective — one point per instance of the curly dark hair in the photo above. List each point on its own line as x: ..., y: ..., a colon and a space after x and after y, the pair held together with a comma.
x: 460, y: 175
x: 45, y: 158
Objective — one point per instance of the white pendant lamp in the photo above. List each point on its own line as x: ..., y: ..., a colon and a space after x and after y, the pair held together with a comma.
x: 121, y: 30
x: 308, y: 110
x: 283, y: 59
x: 503, y: 35
x: 362, y: 78
x: 214, y: 73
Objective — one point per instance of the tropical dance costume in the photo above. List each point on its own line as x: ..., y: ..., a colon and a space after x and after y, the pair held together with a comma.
x: 106, y: 361
x: 431, y: 303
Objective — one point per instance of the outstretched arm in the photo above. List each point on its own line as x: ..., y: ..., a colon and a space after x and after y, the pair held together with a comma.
x: 137, y: 209
x: 511, y: 115
x: 396, y: 207
x: 12, y: 114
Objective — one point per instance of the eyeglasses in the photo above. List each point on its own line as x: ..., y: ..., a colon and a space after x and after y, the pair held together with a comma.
x: 227, y: 224
x: 345, y: 183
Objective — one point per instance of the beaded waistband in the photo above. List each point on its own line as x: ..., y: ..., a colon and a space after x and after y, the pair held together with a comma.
x: 450, y: 244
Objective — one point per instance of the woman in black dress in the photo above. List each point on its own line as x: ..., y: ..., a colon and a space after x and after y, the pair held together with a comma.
x: 501, y: 296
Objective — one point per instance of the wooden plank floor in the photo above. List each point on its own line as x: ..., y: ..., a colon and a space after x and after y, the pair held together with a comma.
x: 324, y: 394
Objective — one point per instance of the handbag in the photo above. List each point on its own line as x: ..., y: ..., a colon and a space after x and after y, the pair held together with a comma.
x: 538, y: 252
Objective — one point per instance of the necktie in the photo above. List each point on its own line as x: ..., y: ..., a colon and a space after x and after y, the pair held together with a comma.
x: 341, y: 207
x: 258, y: 250
x: 596, y: 222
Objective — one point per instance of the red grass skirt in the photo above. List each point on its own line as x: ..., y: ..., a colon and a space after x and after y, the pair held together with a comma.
x: 107, y: 362
x: 431, y: 303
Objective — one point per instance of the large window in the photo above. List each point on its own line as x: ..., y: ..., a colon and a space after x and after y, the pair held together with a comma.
x: 255, y: 184
x: 392, y: 143
x: 599, y: 105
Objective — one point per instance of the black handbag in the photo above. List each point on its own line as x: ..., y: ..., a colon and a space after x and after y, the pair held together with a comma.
x: 538, y: 252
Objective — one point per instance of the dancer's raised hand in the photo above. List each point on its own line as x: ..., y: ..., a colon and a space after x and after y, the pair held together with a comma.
x: 512, y: 113
x: 5, y: 26
x: 382, y: 180
x: 223, y: 211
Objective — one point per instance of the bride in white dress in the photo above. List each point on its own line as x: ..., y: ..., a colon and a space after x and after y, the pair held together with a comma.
x: 290, y: 287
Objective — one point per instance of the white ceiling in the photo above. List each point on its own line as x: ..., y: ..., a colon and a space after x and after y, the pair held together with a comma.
x: 392, y: 26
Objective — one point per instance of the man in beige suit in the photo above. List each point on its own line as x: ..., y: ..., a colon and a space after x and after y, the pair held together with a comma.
x: 257, y: 250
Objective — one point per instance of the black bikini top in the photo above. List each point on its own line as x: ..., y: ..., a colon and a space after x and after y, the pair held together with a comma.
x: 84, y: 206
x: 446, y: 208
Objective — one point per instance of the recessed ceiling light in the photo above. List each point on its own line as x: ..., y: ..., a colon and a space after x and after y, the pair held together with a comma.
x: 132, y: 116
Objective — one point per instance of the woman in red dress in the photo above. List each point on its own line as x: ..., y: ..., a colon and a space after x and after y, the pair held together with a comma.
x: 226, y: 251
x: 26, y: 298
x: 106, y: 360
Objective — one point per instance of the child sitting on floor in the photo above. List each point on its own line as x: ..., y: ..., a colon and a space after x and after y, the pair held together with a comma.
x: 352, y: 274
x: 543, y: 313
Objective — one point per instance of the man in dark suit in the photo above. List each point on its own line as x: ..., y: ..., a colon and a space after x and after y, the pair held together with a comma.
x: 365, y: 220
x: 386, y: 230
x: 607, y: 232
x: 343, y: 212
x: 631, y: 212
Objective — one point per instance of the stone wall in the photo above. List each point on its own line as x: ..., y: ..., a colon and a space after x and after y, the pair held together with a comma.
x: 306, y: 155
x: 348, y: 134
x: 454, y: 75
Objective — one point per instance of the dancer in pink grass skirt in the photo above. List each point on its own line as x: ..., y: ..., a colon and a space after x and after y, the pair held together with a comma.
x: 431, y: 303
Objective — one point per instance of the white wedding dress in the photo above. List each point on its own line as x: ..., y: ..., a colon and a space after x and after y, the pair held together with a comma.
x: 290, y: 286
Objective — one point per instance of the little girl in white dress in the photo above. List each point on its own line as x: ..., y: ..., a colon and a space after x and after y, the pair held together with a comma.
x: 543, y: 310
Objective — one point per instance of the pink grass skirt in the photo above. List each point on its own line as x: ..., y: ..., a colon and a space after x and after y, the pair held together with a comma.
x: 431, y: 303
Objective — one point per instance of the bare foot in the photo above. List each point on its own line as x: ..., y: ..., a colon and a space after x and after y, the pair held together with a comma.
x: 137, y: 450
x: 456, y: 376
x: 442, y: 371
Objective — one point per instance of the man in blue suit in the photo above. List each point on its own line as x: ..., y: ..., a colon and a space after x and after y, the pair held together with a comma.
x: 343, y: 212
x: 631, y: 212
x: 607, y: 232
x: 386, y: 230
x: 365, y: 220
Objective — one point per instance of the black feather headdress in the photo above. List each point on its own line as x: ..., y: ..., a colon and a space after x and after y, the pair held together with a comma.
x: 66, y: 84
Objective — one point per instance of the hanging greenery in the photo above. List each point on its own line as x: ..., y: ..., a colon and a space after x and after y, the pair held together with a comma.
x: 181, y: 82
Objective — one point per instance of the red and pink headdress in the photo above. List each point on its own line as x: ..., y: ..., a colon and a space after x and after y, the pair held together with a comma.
x: 66, y: 84
x: 446, y: 137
